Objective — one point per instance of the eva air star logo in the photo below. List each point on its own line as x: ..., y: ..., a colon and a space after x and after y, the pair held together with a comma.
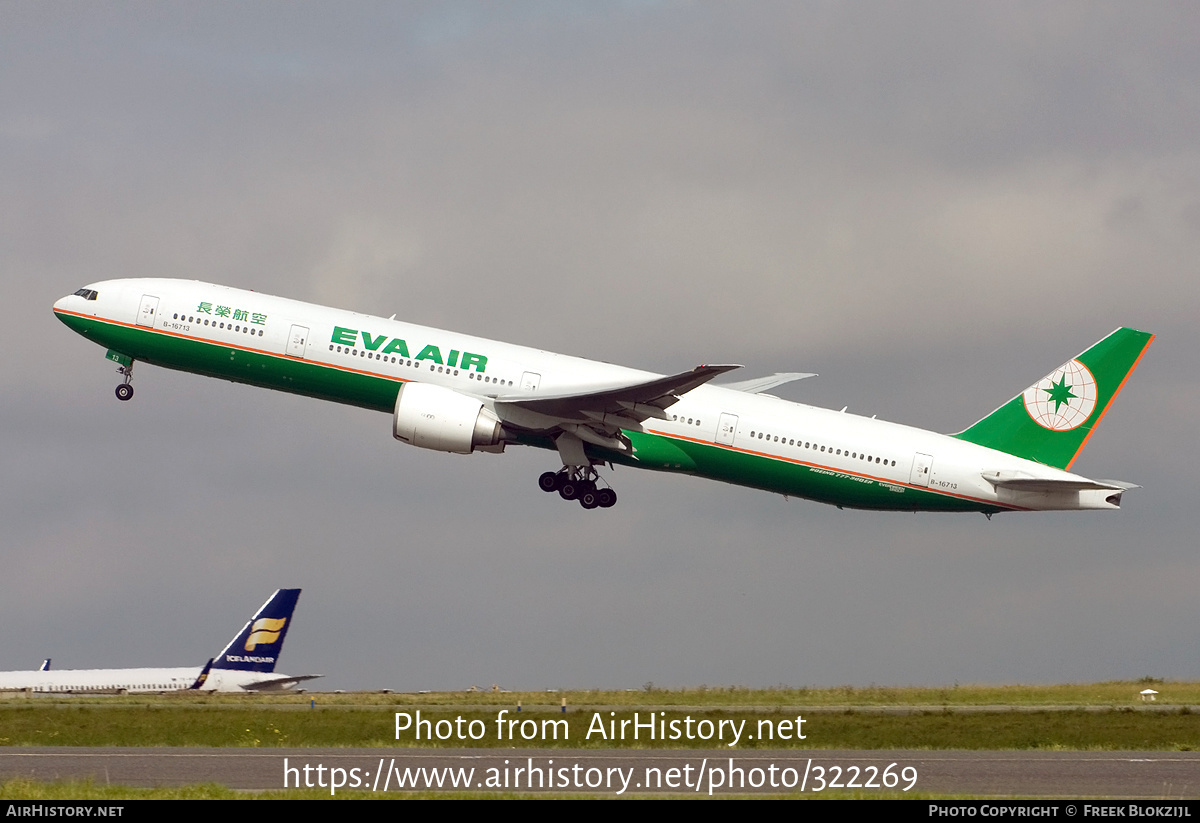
x: 1063, y: 399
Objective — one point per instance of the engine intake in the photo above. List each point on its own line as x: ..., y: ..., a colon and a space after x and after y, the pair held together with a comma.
x: 433, y: 417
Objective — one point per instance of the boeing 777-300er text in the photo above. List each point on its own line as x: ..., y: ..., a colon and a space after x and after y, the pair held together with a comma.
x: 456, y: 393
x: 247, y: 663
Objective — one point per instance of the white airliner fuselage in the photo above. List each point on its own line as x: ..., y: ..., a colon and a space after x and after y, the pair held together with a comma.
x: 131, y: 681
x: 458, y: 393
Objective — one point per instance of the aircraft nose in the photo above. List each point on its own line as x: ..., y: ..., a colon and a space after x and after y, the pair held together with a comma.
x: 61, y: 303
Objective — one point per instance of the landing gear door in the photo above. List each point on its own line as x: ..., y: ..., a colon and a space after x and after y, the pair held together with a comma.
x: 147, y: 310
x: 726, y: 429
x: 297, y: 341
x: 922, y: 463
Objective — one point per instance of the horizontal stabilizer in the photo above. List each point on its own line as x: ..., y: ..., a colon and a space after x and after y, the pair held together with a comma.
x: 762, y: 384
x: 1020, y: 481
x: 634, y: 400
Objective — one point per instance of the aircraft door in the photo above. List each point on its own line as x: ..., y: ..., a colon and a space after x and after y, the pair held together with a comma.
x: 922, y: 463
x: 297, y: 341
x: 147, y: 310
x: 726, y: 429
x: 530, y: 381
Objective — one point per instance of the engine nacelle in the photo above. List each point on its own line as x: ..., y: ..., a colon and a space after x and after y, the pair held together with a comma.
x: 441, y: 419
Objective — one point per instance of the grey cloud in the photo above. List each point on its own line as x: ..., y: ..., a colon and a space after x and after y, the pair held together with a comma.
x: 930, y: 204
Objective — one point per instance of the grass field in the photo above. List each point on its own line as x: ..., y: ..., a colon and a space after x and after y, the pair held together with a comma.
x: 1116, y: 693
x: 1096, y: 716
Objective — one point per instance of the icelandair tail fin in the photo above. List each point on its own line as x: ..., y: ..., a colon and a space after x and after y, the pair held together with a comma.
x: 200, y: 681
x: 1051, y: 421
x: 256, y: 647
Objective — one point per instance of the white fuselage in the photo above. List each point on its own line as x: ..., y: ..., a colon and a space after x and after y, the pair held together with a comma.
x: 131, y: 681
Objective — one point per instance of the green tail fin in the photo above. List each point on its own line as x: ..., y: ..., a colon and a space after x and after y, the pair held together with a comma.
x: 1052, y: 420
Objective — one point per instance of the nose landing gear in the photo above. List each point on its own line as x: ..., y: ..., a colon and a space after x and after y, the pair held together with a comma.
x: 125, y: 390
x: 578, y: 483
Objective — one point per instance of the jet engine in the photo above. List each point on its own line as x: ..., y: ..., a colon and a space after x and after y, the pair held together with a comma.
x: 441, y: 419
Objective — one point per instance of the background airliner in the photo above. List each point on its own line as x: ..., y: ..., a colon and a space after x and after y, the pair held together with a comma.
x: 457, y: 393
x: 247, y: 663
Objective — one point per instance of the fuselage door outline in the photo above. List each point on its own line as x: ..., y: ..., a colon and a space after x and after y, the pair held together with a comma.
x: 727, y: 429
x: 147, y: 310
x: 297, y: 341
x: 922, y: 465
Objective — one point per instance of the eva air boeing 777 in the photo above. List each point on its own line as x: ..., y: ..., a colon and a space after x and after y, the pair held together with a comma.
x: 456, y: 393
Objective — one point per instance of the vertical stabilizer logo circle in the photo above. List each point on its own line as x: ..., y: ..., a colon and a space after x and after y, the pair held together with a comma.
x: 1063, y: 399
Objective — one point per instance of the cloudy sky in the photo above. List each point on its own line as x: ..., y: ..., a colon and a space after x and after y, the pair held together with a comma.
x: 930, y: 204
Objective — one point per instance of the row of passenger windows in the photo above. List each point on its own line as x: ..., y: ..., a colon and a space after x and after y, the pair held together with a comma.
x: 869, y: 458
x: 370, y: 355
x: 187, y: 318
x: 161, y: 686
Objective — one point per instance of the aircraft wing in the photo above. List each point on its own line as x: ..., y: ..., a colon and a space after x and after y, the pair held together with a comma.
x: 1019, y: 481
x: 597, y: 415
x: 631, y: 400
x: 280, y: 682
x: 758, y: 385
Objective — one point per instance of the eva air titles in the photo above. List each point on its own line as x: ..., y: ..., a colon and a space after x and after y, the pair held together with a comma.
x: 399, y: 346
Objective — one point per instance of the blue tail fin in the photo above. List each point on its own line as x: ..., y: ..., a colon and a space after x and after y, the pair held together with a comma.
x: 199, y: 684
x: 256, y: 647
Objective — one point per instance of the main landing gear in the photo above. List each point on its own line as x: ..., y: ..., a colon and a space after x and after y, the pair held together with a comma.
x: 125, y: 390
x: 578, y: 484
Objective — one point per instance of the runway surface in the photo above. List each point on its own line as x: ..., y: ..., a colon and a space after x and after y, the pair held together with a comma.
x: 1151, y: 775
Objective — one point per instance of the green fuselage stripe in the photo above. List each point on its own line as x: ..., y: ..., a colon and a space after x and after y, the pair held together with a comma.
x: 772, y: 473
x: 654, y: 450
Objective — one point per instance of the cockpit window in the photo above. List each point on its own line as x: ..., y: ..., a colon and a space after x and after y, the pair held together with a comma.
x: 88, y: 294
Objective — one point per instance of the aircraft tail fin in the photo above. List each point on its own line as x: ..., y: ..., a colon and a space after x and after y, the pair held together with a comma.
x: 1051, y: 421
x: 200, y: 681
x: 256, y: 647
x: 45, y: 667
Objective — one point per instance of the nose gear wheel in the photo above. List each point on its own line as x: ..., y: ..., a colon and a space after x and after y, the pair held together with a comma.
x: 125, y: 390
